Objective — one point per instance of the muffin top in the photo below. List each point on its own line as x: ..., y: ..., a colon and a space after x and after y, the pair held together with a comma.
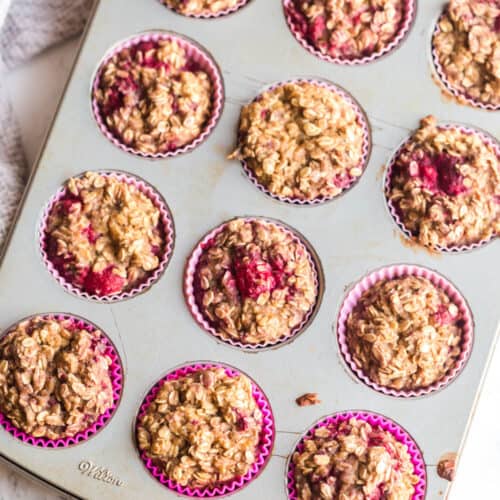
x: 468, y: 48
x: 201, y: 7
x: 405, y: 333
x: 202, y: 429
x: 153, y: 97
x: 353, y: 460
x: 302, y: 140
x: 445, y: 186
x: 255, y: 282
x: 349, y: 30
x: 54, y: 377
x: 103, y: 235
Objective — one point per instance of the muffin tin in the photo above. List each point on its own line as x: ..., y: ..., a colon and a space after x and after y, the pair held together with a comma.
x: 353, y: 235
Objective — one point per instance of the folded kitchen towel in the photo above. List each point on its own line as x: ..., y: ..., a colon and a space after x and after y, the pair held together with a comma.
x: 27, y: 27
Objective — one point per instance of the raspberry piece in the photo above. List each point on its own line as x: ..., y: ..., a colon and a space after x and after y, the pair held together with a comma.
x: 104, y: 283
x: 317, y: 29
x: 254, y: 278
x: 450, y: 180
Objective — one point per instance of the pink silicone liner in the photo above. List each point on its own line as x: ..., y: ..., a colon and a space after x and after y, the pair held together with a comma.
x: 265, y: 446
x: 409, y: 16
x: 195, y: 53
x: 399, y: 271
x: 375, y: 420
x: 166, y: 222
x: 362, y: 120
x: 189, y: 292
x: 487, y: 139
x: 210, y: 15
x: 116, y: 375
x: 461, y: 96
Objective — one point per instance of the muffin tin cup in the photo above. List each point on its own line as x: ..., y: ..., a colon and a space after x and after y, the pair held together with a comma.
x: 401, y: 271
x: 189, y: 289
x: 446, y: 85
x: 393, y: 211
x: 367, y: 143
x: 211, y: 15
x: 167, y: 226
x: 375, y: 420
x: 265, y: 446
x: 291, y: 14
x: 196, y: 53
x: 116, y: 375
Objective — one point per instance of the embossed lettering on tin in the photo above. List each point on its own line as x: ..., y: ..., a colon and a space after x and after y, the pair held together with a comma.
x: 89, y: 469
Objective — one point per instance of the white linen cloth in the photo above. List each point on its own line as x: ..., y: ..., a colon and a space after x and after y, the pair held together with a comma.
x: 27, y: 27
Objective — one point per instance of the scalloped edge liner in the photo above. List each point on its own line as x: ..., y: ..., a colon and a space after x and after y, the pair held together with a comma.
x: 190, y: 271
x: 210, y: 15
x: 265, y: 446
x: 375, y: 420
x: 487, y: 139
x: 460, y: 96
x: 167, y: 223
x: 362, y: 119
x: 195, y: 52
x: 116, y: 375
x: 393, y: 272
x: 407, y: 23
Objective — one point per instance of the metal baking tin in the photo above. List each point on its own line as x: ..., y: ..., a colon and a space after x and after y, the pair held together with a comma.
x: 352, y: 235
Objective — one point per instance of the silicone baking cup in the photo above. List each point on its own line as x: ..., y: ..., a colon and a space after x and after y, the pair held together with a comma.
x: 375, y: 420
x: 167, y: 227
x: 211, y: 15
x: 487, y: 139
x: 367, y: 142
x: 116, y: 375
x: 265, y: 446
x: 293, y: 17
x: 198, y: 55
x: 445, y: 85
x: 400, y: 271
x: 189, y: 288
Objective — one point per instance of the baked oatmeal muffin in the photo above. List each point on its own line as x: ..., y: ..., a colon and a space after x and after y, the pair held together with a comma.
x: 405, y: 333
x: 104, y: 235
x: 302, y: 140
x: 202, y: 7
x: 353, y: 460
x: 54, y: 377
x: 445, y: 186
x: 255, y: 282
x: 467, y: 46
x: 153, y: 97
x: 348, y: 30
x: 202, y: 429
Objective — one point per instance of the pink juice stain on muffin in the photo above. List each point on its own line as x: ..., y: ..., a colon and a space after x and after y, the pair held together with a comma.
x: 103, y: 283
x: 443, y: 316
x: 439, y: 173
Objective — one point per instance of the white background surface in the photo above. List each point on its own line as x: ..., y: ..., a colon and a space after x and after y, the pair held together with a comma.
x: 35, y: 90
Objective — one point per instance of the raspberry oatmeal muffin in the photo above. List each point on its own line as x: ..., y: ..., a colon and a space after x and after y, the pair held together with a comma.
x: 467, y: 48
x: 353, y: 460
x: 348, y: 30
x: 303, y: 141
x: 54, y: 377
x: 203, y: 7
x: 255, y: 282
x: 104, y: 236
x: 202, y: 429
x: 153, y: 97
x: 405, y: 333
x: 445, y: 186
